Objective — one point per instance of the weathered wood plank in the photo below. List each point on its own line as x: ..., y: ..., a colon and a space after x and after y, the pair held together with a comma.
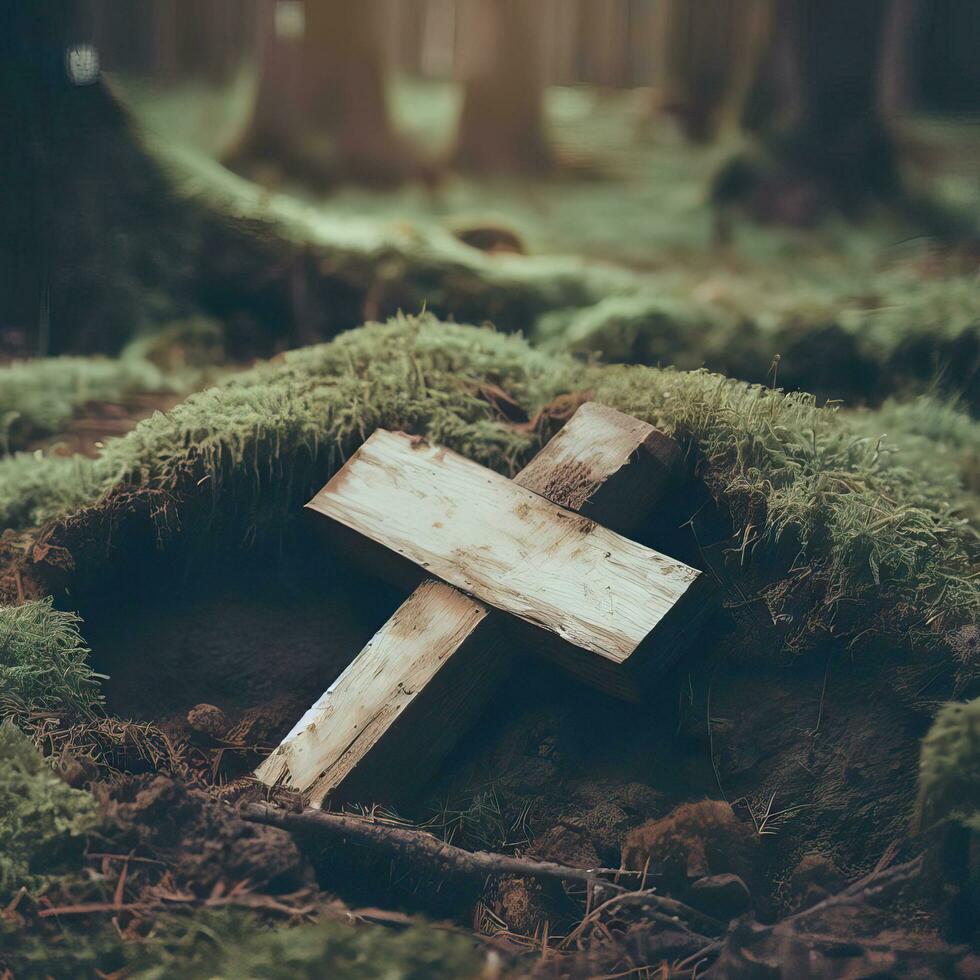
x: 389, y: 737
x: 507, y: 546
x: 388, y: 684
x: 605, y: 465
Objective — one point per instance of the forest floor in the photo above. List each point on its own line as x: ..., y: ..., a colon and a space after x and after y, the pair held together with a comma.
x: 157, y: 501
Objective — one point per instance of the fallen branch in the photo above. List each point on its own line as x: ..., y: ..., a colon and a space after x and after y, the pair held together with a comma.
x: 419, y: 846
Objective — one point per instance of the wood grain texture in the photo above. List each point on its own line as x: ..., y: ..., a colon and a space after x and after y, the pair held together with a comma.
x: 376, y: 735
x: 505, y: 545
x: 605, y: 465
x: 398, y: 663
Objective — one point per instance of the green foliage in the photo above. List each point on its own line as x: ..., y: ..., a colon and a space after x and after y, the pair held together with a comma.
x: 234, y: 946
x: 43, y: 821
x: 43, y: 661
x: 949, y: 768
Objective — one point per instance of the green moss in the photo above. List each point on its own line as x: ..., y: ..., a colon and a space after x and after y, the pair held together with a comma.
x: 838, y: 335
x: 949, y: 769
x: 43, y: 662
x: 43, y: 821
x: 93, y: 952
x: 803, y: 483
x: 935, y: 439
x: 40, y: 397
x: 239, y: 945
x: 233, y: 945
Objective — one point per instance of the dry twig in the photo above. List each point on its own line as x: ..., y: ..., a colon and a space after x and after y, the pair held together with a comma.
x: 423, y: 847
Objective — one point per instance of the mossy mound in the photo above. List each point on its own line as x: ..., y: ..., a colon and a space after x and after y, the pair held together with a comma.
x: 881, y: 541
x: 38, y: 398
x: 835, y: 337
x: 949, y: 769
x: 223, y: 944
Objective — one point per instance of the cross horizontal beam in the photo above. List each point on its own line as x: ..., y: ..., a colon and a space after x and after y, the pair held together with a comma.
x: 505, y: 545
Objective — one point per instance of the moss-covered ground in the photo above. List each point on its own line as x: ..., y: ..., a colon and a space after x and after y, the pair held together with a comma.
x: 832, y: 538
x: 843, y: 539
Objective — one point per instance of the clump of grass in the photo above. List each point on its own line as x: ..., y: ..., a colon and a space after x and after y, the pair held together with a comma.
x: 949, y: 769
x: 43, y: 822
x: 43, y: 662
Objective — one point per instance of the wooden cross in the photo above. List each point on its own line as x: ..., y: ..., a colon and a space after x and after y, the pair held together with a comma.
x: 502, y: 563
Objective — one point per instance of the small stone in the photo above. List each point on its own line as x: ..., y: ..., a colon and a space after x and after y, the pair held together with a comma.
x: 519, y: 904
x: 695, y: 840
x: 814, y: 879
x: 722, y: 896
x: 207, y: 719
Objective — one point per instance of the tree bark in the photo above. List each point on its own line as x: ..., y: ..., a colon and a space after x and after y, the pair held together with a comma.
x: 321, y: 109
x: 950, y: 77
x: 709, y: 53
x: 840, y: 140
x: 66, y: 220
x: 102, y: 240
x: 501, y: 127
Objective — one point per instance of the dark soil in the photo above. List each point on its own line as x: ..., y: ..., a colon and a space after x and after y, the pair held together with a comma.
x: 815, y: 756
x: 261, y: 650
x: 203, y: 846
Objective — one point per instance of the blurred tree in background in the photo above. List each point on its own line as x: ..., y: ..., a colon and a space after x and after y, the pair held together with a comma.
x: 501, y: 126
x: 709, y: 55
x: 321, y: 108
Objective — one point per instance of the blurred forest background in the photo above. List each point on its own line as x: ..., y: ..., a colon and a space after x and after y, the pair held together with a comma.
x: 784, y: 192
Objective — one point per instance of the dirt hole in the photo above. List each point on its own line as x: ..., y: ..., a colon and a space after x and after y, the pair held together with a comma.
x: 262, y: 649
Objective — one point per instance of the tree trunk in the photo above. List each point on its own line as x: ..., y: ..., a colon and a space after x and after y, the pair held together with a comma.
x: 836, y: 152
x: 841, y: 140
x: 321, y: 110
x: 100, y: 240
x: 950, y: 79
x: 501, y: 127
x: 709, y: 52
x: 67, y: 222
